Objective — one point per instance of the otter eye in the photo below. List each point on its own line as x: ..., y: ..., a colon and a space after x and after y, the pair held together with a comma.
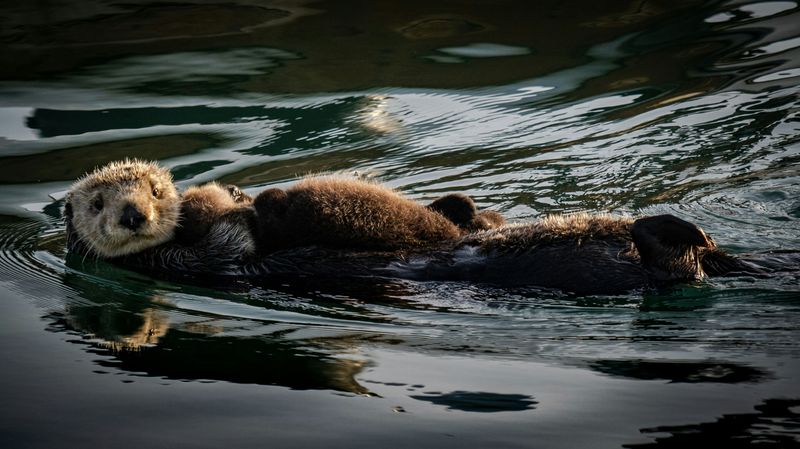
x: 98, y: 203
x: 156, y: 192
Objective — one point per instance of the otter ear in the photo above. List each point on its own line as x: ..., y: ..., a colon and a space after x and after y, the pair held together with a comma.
x: 669, y: 230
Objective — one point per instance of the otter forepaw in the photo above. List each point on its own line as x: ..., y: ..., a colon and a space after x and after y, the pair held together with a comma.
x: 237, y: 194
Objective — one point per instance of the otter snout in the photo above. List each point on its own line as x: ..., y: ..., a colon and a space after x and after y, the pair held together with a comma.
x: 132, y: 218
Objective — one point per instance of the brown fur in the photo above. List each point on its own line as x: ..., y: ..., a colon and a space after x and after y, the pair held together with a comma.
x: 576, y: 227
x: 96, y: 202
x: 485, y: 220
x: 205, y: 205
x: 347, y: 213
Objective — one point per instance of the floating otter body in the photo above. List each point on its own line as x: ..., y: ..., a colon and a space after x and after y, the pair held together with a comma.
x: 331, y: 226
x: 579, y: 253
x: 143, y: 210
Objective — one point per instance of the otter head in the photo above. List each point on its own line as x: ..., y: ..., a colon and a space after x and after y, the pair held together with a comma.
x: 671, y: 248
x: 123, y: 208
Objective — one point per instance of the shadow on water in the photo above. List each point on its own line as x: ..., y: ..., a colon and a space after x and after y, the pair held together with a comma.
x: 775, y: 424
x: 480, y: 401
x: 680, y: 371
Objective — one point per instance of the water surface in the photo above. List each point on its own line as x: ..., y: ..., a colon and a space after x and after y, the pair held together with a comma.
x: 636, y: 108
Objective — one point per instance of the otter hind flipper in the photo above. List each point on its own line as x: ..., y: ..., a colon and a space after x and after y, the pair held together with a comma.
x: 271, y: 201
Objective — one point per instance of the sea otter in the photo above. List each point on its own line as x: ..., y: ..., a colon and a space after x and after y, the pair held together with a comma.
x: 130, y: 206
x: 332, y: 211
x: 128, y: 212
x: 579, y: 253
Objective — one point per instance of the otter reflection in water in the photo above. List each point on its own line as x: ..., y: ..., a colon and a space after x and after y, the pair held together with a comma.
x: 134, y: 329
x: 773, y: 425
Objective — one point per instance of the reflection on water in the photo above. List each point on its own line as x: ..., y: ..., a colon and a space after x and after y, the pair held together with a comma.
x: 530, y: 107
x: 775, y: 425
x: 479, y: 401
x: 680, y: 371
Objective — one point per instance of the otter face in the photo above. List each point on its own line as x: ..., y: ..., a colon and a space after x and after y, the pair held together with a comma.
x: 124, y: 207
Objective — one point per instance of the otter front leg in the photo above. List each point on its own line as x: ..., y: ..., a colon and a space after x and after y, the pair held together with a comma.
x: 237, y: 195
x: 668, y: 247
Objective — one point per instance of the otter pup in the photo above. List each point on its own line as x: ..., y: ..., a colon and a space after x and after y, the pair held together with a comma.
x: 347, y: 213
x: 334, y: 212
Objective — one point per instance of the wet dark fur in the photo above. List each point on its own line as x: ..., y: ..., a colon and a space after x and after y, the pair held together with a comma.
x: 581, y: 253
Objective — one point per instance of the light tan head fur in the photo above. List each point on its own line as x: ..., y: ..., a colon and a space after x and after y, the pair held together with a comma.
x: 98, y: 202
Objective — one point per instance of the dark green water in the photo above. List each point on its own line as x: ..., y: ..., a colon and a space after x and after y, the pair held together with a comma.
x: 641, y: 107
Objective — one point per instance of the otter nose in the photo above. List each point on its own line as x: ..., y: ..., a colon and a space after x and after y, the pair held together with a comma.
x: 132, y: 218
